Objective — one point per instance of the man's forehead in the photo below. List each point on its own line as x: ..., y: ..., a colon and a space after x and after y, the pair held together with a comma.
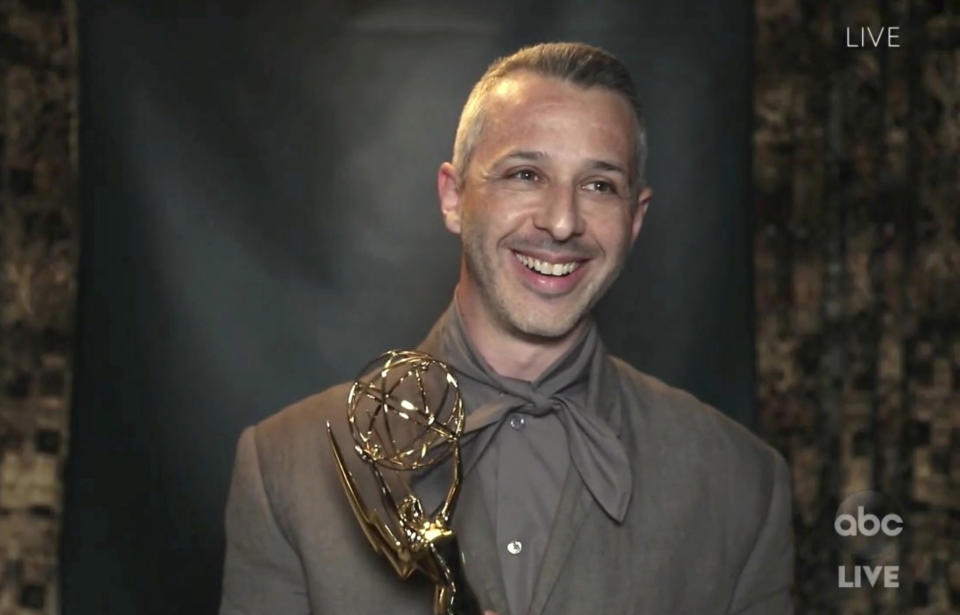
x: 508, y: 87
x: 525, y: 101
x: 523, y: 90
x: 521, y: 86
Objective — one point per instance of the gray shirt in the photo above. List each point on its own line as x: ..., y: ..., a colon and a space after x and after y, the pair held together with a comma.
x: 522, y: 472
x: 518, y: 445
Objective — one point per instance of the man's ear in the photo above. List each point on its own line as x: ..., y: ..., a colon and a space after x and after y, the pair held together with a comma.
x: 643, y: 202
x: 448, y: 189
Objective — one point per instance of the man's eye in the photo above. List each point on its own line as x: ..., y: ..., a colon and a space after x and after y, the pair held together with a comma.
x: 525, y: 175
x: 600, y: 186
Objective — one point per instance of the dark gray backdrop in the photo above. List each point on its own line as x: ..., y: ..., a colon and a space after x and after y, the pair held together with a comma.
x: 259, y: 218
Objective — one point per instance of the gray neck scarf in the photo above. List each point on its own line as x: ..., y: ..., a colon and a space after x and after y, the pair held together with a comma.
x: 595, y: 451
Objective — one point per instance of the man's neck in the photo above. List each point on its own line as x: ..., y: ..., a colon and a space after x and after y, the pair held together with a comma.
x: 513, y: 355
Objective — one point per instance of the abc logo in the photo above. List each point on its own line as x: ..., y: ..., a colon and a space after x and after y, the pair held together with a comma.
x: 868, y: 524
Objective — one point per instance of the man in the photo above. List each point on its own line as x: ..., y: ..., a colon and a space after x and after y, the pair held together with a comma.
x: 589, y: 487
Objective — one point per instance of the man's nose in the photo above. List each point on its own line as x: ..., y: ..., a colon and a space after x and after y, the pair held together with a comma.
x: 559, y: 214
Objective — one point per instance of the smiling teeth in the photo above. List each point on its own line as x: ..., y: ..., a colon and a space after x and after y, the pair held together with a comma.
x: 545, y: 268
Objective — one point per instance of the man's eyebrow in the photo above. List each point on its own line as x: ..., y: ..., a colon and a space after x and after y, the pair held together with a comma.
x: 593, y: 164
x: 603, y: 165
x: 523, y: 154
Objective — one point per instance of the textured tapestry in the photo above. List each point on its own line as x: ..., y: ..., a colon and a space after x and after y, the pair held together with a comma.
x: 38, y: 252
x: 857, y: 281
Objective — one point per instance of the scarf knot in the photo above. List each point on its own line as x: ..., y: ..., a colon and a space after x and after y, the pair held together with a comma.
x: 595, y: 450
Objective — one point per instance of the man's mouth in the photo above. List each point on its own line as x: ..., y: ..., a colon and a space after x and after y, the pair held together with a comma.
x: 547, y: 268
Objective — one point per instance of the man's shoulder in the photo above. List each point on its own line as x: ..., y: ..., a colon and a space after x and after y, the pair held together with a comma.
x: 303, y: 419
x: 686, y: 423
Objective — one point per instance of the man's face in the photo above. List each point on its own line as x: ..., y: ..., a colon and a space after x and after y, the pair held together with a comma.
x: 545, y: 210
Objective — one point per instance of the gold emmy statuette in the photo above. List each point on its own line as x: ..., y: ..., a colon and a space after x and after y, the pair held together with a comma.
x: 405, y: 414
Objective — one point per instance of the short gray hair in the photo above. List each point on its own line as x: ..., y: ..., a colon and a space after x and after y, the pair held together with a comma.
x: 577, y: 63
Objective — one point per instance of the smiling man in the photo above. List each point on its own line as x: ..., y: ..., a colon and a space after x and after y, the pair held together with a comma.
x: 545, y: 190
x: 589, y: 487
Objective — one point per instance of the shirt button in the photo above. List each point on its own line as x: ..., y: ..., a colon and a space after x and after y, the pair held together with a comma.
x: 517, y: 422
x: 514, y: 547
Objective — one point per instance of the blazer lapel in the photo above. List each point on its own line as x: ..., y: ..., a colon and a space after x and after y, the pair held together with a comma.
x: 575, y: 500
x: 474, y: 530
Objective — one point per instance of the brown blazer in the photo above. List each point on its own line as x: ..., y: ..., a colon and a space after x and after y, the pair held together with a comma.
x: 708, y: 529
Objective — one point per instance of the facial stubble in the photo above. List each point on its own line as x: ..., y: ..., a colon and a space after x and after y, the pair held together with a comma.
x: 512, y: 312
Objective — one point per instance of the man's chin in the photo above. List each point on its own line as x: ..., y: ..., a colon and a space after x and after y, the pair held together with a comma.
x: 544, y: 325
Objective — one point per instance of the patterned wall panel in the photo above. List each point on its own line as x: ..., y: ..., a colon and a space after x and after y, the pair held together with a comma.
x: 38, y: 253
x: 857, y: 256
